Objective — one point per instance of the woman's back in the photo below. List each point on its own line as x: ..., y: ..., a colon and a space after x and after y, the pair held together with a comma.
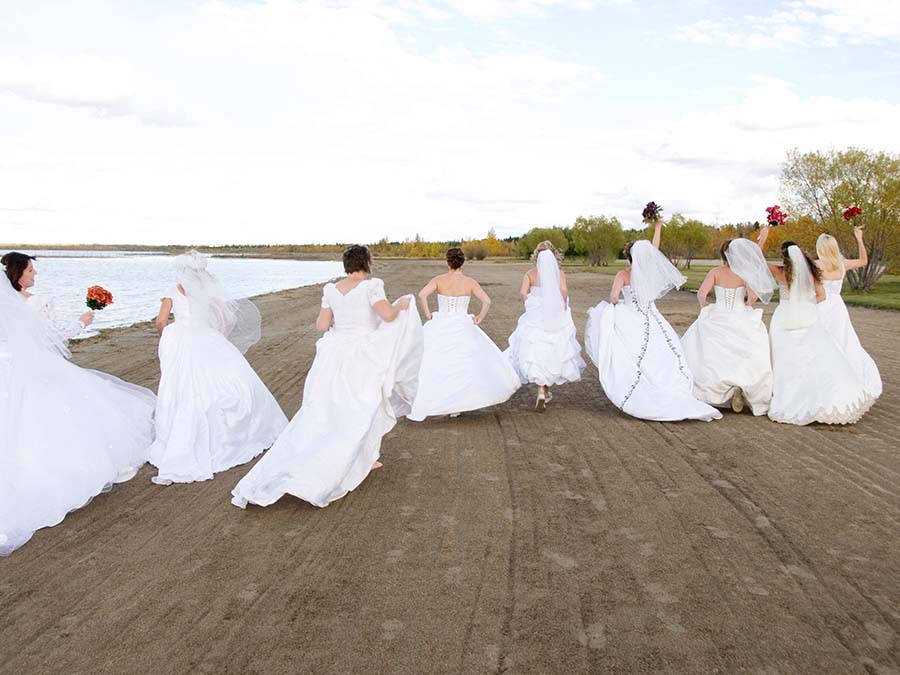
x: 454, y: 284
x: 353, y: 309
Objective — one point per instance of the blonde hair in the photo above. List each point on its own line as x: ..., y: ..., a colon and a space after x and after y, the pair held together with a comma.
x: 547, y: 245
x: 829, y: 252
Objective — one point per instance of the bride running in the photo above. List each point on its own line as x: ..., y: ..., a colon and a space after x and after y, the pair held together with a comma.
x: 213, y: 411
x: 727, y: 347
x: 637, y: 353
x: 833, y: 312
x: 544, y: 349
x: 813, y: 380
x: 362, y: 379
x: 67, y: 433
x: 462, y: 368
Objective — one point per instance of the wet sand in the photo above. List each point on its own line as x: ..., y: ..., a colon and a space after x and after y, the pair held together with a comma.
x: 503, y: 541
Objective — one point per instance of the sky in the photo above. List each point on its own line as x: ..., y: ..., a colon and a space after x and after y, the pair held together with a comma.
x: 294, y: 121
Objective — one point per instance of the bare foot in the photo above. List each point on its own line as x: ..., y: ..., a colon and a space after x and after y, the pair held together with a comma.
x: 376, y: 465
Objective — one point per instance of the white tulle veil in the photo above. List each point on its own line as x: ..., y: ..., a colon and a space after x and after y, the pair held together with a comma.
x: 652, y: 275
x: 802, y: 292
x: 747, y: 261
x: 553, y: 306
x: 210, y: 305
x: 25, y: 332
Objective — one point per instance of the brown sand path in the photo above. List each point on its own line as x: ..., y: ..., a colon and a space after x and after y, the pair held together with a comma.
x: 504, y: 541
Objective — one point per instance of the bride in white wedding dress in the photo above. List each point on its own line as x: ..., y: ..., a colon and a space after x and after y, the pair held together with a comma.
x: 68, y: 433
x: 462, y: 368
x: 813, y: 380
x: 833, y: 312
x: 544, y: 347
x: 213, y: 411
x: 727, y: 347
x: 363, y: 378
x: 641, y: 365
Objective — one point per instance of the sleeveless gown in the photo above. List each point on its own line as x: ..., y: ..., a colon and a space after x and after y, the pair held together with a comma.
x: 363, y: 378
x: 727, y: 348
x: 69, y: 434
x: 213, y: 411
x: 462, y: 368
x: 813, y: 379
x: 834, y: 317
x: 542, y: 356
x: 641, y: 365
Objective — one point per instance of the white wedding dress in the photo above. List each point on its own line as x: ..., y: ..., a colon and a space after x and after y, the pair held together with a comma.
x: 68, y: 433
x: 836, y: 320
x: 641, y: 365
x: 462, y: 368
x: 813, y: 379
x: 727, y: 348
x: 544, y: 356
x: 363, y: 378
x: 213, y: 411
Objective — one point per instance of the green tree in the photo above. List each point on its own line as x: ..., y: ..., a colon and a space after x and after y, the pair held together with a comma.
x: 599, y: 238
x: 823, y: 184
x: 534, y: 236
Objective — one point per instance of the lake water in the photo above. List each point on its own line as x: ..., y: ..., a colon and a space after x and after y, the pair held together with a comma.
x: 138, y: 281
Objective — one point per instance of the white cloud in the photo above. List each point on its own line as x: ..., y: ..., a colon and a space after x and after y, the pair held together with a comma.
x: 802, y: 22
x: 106, y: 86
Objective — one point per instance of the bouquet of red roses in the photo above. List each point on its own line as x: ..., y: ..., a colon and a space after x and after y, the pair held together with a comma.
x: 775, y: 216
x: 851, y: 213
x: 98, y: 297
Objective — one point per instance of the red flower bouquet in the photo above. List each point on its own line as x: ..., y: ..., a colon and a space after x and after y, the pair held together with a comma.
x: 98, y: 297
x: 775, y: 216
x: 851, y: 213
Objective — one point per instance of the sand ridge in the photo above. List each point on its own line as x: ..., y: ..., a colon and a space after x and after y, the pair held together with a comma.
x: 503, y: 541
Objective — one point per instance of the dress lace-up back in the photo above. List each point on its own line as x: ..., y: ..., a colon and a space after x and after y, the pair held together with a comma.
x: 730, y: 299
x: 453, y: 304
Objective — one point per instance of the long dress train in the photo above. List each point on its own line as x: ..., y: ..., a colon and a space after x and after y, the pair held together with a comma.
x: 362, y: 380
x: 69, y: 433
x: 462, y: 368
x: 813, y: 379
x: 835, y: 319
x: 641, y: 365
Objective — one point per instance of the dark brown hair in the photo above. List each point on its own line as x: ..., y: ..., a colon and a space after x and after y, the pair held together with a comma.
x: 723, y: 249
x: 789, y: 267
x: 357, y: 259
x: 455, y: 257
x: 627, y: 250
x: 14, y: 265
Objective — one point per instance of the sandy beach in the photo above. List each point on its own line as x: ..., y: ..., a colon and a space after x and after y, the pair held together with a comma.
x: 503, y: 541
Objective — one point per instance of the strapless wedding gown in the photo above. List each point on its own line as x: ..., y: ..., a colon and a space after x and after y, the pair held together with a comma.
x: 727, y: 348
x: 541, y: 356
x: 462, y: 368
x: 213, y: 411
x: 813, y: 379
x: 69, y: 434
x: 363, y: 378
x: 642, y: 368
x: 835, y: 318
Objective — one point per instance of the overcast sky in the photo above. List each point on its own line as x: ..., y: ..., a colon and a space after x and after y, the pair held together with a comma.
x: 287, y: 121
